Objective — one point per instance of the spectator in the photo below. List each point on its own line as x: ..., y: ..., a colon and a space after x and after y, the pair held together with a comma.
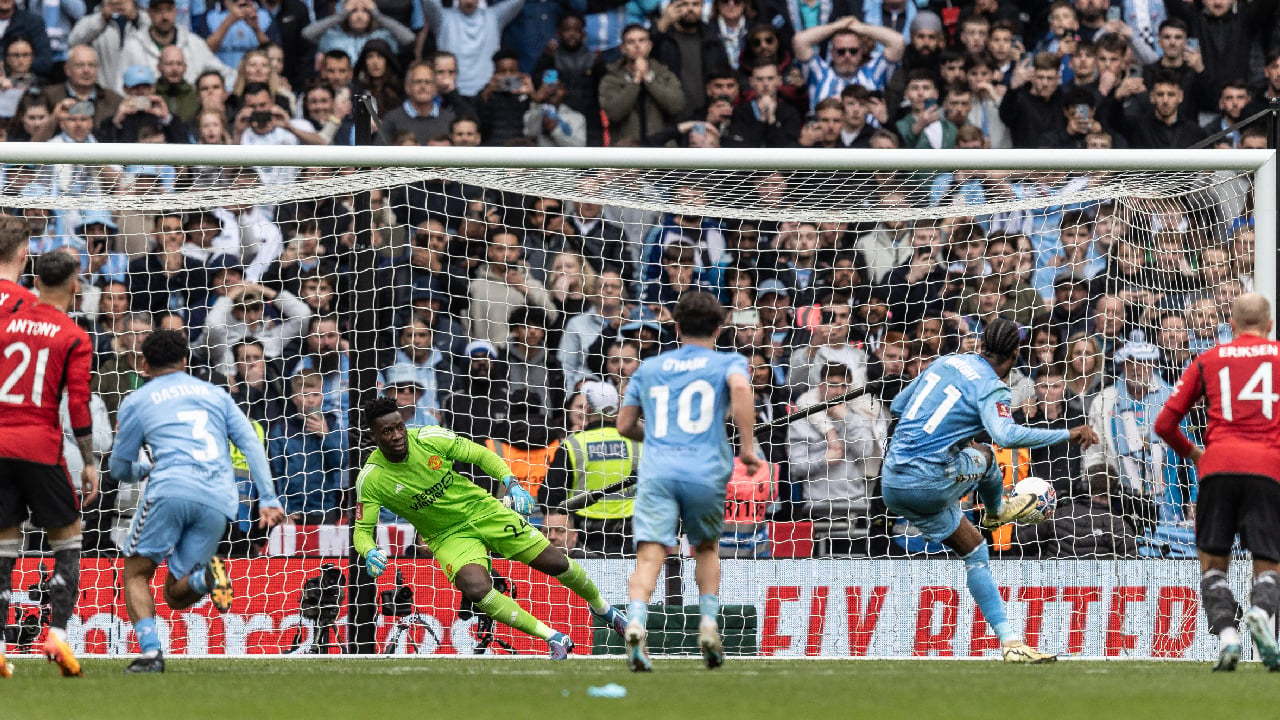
x: 423, y: 113
x: 165, y: 278
x: 1164, y: 126
x: 82, y: 84
x: 180, y: 96
x: 377, y: 72
x: 416, y: 351
x: 146, y: 48
x: 639, y: 97
x: 1084, y: 525
x: 325, y: 354
x: 856, y: 106
x: 923, y: 52
x: 503, y: 283
x: 925, y: 126
x: 241, y: 314
x: 1180, y: 61
x: 237, y: 26
x: 603, y: 317
x: 247, y: 231
x: 263, y: 122
x: 288, y: 19
x: 528, y: 364
x: 445, y: 65
x: 1033, y: 105
x: 473, y: 34
x: 211, y: 88
x: 601, y: 241
x: 121, y: 372
x: 1232, y: 102
x: 107, y: 32
x: 835, y: 470
x: 1124, y: 415
x: 549, y: 121
x: 1055, y: 407
x: 885, y: 247
x: 689, y: 47
x: 142, y: 108
x: 24, y: 25
x: 308, y: 453
x: 764, y: 121
x: 256, y: 384
x: 1226, y: 31
x: 571, y: 281
x: 558, y: 527
x: 578, y: 70
x: 1080, y: 124
x: 1086, y: 370
x: 18, y: 77
x: 356, y: 23
x: 503, y: 101
x: 730, y: 20
x: 480, y: 400
x: 829, y: 343
x: 848, y: 60
x: 402, y: 384
x: 96, y: 233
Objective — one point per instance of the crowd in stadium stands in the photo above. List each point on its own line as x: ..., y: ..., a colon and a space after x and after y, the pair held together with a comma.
x: 504, y: 306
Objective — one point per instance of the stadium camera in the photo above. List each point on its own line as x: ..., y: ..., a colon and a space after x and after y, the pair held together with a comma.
x: 396, y: 602
x: 484, y: 624
x: 321, y: 600
x: 26, y: 631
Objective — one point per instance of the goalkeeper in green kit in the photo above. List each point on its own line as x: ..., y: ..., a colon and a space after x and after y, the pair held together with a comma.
x: 411, y: 474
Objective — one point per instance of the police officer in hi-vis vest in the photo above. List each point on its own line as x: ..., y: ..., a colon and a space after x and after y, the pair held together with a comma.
x: 592, y: 459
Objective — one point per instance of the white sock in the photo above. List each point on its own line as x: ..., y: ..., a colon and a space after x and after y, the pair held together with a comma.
x: 1230, y: 636
x: 60, y: 633
x: 151, y: 654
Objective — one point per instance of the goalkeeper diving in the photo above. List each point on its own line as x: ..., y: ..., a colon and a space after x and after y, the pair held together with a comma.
x: 411, y: 474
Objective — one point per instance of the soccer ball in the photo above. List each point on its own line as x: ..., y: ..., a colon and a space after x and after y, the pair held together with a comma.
x: 1046, y: 500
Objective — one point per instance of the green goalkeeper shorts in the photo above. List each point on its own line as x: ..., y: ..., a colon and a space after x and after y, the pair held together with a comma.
x: 505, y: 533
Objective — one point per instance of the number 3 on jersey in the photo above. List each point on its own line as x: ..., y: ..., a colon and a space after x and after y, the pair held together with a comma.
x: 706, y: 399
x: 1257, y: 388
x: 199, y: 420
x: 953, y: 396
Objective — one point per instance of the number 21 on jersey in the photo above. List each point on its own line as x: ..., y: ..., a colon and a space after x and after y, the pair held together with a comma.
x: 37, y: 382
x: 698, y: 391
x: 1257, y: 387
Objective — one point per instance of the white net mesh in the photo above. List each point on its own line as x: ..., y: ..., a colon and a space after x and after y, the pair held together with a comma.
x: 482, y: 298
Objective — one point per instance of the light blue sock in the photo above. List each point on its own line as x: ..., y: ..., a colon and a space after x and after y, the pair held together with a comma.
x: 148, y: 638
x: 709, y: 606
x: 197, y: 582
x: 638, y: 611
x: 982, y: 587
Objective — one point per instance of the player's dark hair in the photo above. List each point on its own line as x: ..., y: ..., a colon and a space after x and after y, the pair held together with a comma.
x: 698, y: 314
x: 378, y: 407
x: 55, y: 268
x: 1001, y: 338
x: 14, y: 232
x: 165, y: 348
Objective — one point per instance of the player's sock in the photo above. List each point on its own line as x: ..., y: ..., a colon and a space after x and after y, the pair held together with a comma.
x: 148, y: 638
x: 982, y: 587
x: 64, y: 584
x: 197, y: 582
x: 575, y: 578
x: 1265, y: 594
x: 1220, y: 606
x: 508, y: 612
x: 1229, y: 636
x: 9, y: 550
x: 638, y: 612
x: 708, y: 607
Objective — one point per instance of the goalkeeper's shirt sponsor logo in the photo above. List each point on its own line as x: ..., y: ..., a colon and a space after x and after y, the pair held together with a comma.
x: 432, y: 494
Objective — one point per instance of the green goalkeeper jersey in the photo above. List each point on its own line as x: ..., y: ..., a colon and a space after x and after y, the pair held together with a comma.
x: 424, y: 489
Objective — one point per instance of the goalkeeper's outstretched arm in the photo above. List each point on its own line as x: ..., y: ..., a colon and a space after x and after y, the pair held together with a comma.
x: 482, y: 457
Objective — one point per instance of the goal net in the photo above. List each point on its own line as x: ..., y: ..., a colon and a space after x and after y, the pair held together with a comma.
x: 481, y: 288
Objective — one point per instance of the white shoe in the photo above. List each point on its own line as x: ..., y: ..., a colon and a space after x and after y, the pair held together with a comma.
x: 1262, y: 628
x: 709, y: 642
x: 637, y: 651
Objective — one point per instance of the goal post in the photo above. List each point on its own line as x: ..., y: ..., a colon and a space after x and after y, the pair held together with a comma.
x: 482, y: 286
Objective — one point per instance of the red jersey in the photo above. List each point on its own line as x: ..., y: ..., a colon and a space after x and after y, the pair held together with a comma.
x: 42, y: 353
x: 1239, y: 381
x: 13, y: 297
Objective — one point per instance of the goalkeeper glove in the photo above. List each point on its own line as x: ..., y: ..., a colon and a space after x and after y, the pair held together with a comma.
x: 375, y: 561
x: 518, y: 498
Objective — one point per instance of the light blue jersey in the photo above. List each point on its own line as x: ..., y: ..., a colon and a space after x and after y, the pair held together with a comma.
x: 956, y: 398
x: 684, y: 397
x: 187, y: 422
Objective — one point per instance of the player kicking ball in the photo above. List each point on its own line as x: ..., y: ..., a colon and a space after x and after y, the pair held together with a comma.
x: 411, y: 474
x: 683, y: 396
x: 191, y: 488
x: 932, y: 462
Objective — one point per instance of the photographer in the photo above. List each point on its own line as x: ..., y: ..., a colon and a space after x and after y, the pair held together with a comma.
x: 142, y: 107
x: 262, y: 122
x: 503, y: 101
x: 549, y: 122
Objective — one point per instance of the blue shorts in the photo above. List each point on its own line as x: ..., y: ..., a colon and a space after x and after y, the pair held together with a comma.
x: 932, y: 505
x: 184, y: 532
x: 662, y: 502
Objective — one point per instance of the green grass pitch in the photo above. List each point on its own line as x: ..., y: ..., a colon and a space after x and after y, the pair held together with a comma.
x: 529, y: 688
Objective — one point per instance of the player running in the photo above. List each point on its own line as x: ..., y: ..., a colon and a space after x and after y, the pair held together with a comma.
x: 15, y: 235
x: 411, y: 474
x: 42, y: 354
x: 932, y: 462
x: 1239, y: 471
x: 683, y: 396
x: 191, y: 488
